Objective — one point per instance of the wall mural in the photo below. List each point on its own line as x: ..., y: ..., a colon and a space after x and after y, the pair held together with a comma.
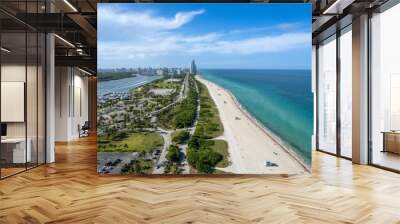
x: 204, y: 88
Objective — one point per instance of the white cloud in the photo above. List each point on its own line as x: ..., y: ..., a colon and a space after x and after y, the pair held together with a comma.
x: 170, y: 45
x: 117, y: 49
x: 144, y: 35
x: 154, y: 45
x: 209, y: 37
x: 285, y: 26
x: 264, y: 44
x: 277, y: 27
x: 145, y: 19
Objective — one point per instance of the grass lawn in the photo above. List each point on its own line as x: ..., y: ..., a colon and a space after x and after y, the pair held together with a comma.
x: 221, y: 146
x: 136, y: 142
x: 163, y: 84
x: 221, y: 172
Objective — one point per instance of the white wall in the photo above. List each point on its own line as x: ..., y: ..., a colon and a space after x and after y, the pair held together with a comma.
x: 80, y: 112
x: 71, y: 94
x: 17, y: 73
x: 62, y: 82
x: 33, y: 126
x: 14, y: 72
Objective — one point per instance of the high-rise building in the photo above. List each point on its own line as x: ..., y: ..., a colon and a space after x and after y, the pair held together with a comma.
x: 193, y: 68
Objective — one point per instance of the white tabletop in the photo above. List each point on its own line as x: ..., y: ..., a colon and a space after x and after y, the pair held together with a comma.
x: 12, y: 140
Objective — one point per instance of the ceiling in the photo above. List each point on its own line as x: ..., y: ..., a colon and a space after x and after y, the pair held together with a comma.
x: 332, y: 15
x: 75, y: 22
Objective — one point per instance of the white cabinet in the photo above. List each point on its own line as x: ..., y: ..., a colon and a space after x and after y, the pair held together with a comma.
x: 19, y: 155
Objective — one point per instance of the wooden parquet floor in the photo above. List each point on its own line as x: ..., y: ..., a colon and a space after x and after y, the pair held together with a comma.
x: 70, y: 191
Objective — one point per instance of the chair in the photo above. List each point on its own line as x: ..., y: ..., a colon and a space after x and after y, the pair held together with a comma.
x: 84, y: 130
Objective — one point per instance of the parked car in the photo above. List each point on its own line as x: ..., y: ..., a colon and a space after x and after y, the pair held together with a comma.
x: 104, y: 169
x: 117, y: 161
x: 270, y: 164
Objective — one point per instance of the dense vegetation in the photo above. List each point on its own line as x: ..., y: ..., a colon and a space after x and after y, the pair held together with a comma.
x: 127, y: 122
x: 126, y: 126
x: 172, y: 168
x: 179, y: 137
x: 174, y: 156
x: 204, y: 160
x: 186, y: 110
x: 140, y: 166
x: 183, y: 114
x: 209, y: 125
x: 107, y: 76
x: 204, y: 154
x: 221, y: 147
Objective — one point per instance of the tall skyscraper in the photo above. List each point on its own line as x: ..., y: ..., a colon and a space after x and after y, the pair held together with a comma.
x: 193, y: 68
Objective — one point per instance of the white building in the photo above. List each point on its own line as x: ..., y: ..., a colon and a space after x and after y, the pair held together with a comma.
x: 160, y: 72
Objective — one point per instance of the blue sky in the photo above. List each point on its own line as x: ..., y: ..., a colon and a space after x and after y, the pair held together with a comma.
x: 215, y: 35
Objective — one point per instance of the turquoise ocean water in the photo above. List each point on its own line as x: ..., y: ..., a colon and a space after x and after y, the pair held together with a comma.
x: 281, y: 100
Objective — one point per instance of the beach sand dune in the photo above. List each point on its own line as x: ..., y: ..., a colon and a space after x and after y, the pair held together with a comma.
x: 249, y: 145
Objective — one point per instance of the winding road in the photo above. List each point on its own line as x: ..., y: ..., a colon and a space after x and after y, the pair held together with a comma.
x: 166, y: 134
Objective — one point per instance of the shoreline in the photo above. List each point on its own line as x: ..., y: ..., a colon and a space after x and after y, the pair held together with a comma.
x: 261, y: 127
x: 273, y: 136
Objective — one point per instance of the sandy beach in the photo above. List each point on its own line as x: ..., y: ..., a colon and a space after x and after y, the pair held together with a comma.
x: 249, y: 145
